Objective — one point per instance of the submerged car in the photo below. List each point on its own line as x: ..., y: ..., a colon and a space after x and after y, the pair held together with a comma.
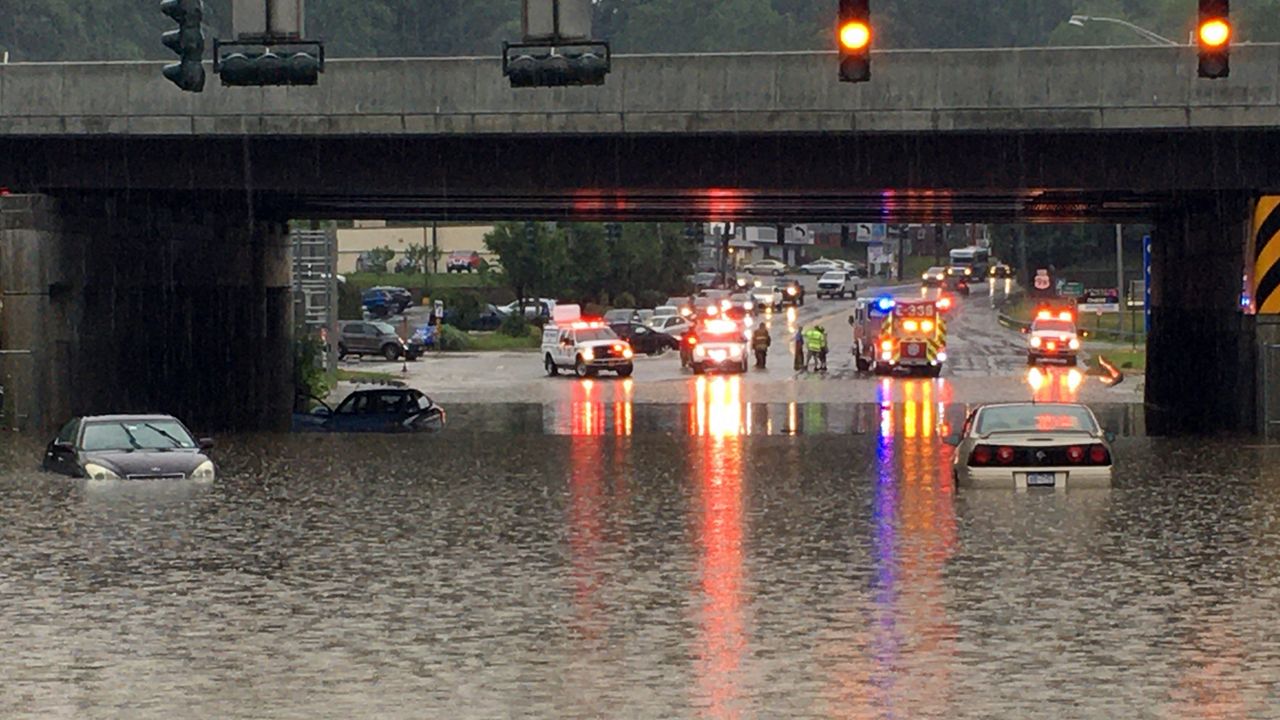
x: 385, y: 410
x: 1029, y: 445
x: 129, y: 447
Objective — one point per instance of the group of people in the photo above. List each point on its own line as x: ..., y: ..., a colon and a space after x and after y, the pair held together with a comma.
x: 811, y: 347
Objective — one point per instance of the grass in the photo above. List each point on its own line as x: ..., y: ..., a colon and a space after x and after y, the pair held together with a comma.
x: 1100, y: 327
x: 363, y: 376
x: 495, y: 342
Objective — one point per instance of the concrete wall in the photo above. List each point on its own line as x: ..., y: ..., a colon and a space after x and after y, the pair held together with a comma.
x: 130, y: 303
x: 911, y: 91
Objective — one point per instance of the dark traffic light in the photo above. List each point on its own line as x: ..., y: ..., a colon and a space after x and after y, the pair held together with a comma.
x: 854, y: 36
x: 297, y: 62
x: 187, y: 42
x: 540, y: 65
x: 1213, y: 35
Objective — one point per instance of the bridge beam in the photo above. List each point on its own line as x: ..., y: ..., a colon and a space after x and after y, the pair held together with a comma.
x: 1201, y: 351
x: 135, y: 303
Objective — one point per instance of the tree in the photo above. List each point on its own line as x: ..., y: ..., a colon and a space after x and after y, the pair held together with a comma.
x: 534, y: 257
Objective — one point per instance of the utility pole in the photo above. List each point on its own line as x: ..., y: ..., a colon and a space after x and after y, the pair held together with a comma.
x: 1120, y: 267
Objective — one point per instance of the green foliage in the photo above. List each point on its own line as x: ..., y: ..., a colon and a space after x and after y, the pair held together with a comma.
x: 451, y: 339
x: 350, y: 306
x: 308, y: 368
x: 514, y: 325
x: 376, y: 259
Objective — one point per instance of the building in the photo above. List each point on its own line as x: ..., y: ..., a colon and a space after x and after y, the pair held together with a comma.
x: 369, y: 235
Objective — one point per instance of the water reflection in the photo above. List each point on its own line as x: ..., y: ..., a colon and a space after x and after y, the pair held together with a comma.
x: 1054, y: 384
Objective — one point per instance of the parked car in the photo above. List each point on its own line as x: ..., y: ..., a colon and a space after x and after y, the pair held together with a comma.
x: 541, y: 307
x: 393, y: 299
x: 822, y: 266
x: 673, y: 325
x: 374, y: 338
x: 768, y: 266
x: 644, y: 339
x: 129, y: 447
x: 490, y: 318
x: 682, y: 304
x: 385, y: 410
x: 377, y: 303
x: 463, y: 261
x: 622, y: 315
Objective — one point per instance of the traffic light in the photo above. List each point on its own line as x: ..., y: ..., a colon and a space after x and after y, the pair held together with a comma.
x: 854, y: 35
x: 297, y: 62
x: 187, y: 41
x: 540, y: 65
x: 1213, y: 35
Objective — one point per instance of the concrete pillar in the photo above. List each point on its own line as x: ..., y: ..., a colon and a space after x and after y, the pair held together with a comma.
x: 1200, y: 354
x: 136, y: 303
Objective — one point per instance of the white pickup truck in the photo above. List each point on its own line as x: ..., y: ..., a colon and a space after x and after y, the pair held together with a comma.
x: 837, y: 284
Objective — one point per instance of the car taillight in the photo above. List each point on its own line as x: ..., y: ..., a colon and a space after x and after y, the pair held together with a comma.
x: 1098, y: 455
x: 691, y: 340
x: 981, y: 455
x: 1075, y: 454
x: 1004, y: 455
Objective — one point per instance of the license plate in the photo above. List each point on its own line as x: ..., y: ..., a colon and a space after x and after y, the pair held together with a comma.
x: 1040, y: 479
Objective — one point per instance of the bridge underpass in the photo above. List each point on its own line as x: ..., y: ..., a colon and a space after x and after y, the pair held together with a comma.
x: 141, y: 220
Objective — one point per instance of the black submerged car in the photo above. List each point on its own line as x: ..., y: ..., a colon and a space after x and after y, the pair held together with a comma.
x: 130, y: 447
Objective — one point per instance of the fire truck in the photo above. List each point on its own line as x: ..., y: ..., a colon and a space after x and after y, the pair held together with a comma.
x: 891, y: 335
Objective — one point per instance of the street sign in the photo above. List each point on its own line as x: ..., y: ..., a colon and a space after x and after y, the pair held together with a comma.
x: 1100, y: 300
x: 1073, y: 289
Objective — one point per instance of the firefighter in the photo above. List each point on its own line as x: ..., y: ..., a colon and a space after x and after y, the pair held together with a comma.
x: 760, y: 342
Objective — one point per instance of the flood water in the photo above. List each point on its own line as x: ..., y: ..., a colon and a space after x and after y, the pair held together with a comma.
x: 604, y: 560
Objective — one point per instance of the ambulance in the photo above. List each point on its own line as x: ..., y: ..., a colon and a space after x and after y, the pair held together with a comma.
x: 583, y: 347
x: 899, y: 335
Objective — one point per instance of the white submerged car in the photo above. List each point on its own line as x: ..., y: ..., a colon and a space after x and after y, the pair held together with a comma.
x: 1029, y: 445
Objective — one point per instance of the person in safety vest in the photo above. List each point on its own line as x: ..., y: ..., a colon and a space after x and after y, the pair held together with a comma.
x: 815, y: 341
x: 760, y: 342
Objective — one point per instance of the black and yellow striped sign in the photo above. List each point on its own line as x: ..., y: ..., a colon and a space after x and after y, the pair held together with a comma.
x: 1266, y: 243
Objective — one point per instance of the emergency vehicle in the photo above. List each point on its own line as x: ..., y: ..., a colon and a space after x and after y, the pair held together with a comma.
x: 584, y: 347
x: 891, y: 335
x: 718, y: 344
x: 1052, y: 336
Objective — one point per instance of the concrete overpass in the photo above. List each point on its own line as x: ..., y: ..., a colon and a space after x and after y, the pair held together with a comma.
x: 109, y: 160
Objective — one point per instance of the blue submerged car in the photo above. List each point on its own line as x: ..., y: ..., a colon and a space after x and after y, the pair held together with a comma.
x: 384, y: 410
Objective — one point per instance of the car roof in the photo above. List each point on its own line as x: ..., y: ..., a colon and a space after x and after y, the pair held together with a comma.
x: 1033, y: 404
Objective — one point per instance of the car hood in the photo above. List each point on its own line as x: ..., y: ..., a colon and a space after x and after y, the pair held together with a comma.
x: 147, y: 462
x: 602, y: 343
x: 1050, y: 335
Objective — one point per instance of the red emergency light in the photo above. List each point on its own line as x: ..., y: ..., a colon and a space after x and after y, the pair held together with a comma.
x: 588, y: 325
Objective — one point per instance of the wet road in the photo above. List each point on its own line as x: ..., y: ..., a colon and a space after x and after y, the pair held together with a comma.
x: 599, y: 559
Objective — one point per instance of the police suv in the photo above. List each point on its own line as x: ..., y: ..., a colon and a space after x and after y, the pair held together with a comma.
x: 583, y: 347
x: 719, y: 344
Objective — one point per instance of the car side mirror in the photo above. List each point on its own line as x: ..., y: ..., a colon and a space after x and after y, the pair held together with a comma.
x: 321, y: 411
x: 63, y: 446
x: 1024, y: 330
x: 205, y: 443
x: 952, y: 440
x: 1109, y: 435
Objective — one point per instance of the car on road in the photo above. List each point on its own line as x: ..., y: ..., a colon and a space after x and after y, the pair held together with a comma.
x: 384, y: 410
x: 958, y: 284
x: 963, y: 271
x: 489, y: 319
x: 707, y: 281
x: 129, y: 447
x: 934, y: 276
x: 837, y: 284
x: 768, y: 266
x: 1000, y: 270
x: 644, y: 339
x: 1030, y: 445
x: 622, y: 315
x: 672, y: 325
x: 585, y: 348
x: 767, y: 296
x: 461, y: 261
x: 374, y: 338
x: 792, y: 294
x: 400, y: 299
x: 822, y: 266
x: 1053, y: 337
x: 719, y: 344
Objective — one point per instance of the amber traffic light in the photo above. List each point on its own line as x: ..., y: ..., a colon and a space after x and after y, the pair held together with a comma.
x: 1213, y: 34
x: 854, y: 35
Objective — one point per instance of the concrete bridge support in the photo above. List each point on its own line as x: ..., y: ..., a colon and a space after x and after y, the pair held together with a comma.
x: 133, y: 302
x: 1201, y: 352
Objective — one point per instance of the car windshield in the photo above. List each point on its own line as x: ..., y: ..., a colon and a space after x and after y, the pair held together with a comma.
x: 135, y: 435
x: 935, y: 271
x: 1061, y: 326
x: 591, y: 334
x: 1023, y: 418
x: 837, y: 276
x: 384, y: 328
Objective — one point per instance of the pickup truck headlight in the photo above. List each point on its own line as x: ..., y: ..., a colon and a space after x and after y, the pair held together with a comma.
x: 95, y: 471
x: 588, y: 354
x: 203, y: 471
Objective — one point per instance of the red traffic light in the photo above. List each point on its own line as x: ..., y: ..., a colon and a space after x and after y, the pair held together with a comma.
x: 1215, y: 33
x: 855, y: 35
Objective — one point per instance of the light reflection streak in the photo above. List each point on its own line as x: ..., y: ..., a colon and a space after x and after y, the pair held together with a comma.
x: 1051, y: 384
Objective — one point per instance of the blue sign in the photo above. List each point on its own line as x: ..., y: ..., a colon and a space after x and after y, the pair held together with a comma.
x: 1146, y: 282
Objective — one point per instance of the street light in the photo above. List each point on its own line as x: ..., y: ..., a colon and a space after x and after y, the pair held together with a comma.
x: 1080, y: 20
